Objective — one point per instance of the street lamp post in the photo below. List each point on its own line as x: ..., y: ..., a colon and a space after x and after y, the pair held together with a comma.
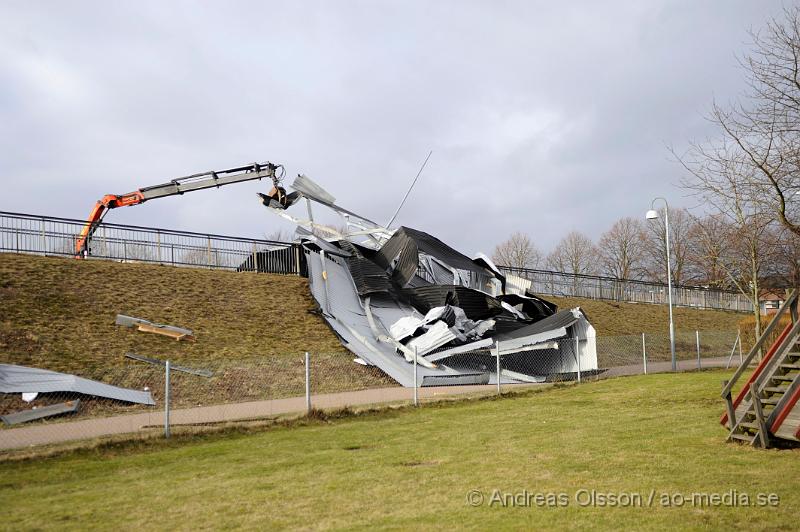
x: 652, y: 214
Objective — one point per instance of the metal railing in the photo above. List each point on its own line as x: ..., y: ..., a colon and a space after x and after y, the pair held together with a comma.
x: 628, y: 290
x: 47, y: 235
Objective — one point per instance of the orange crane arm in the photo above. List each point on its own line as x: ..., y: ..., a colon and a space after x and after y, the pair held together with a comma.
x: 178, y: 186
x: 109, y: 201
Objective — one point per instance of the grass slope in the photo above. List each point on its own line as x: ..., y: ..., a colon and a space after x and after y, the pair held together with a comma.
x: 59, y: 313
x: 251, y: 330
x: 413, y: 469
x: 612, y: 319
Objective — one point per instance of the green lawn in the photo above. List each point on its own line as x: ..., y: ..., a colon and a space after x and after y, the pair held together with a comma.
x: 414, y: 468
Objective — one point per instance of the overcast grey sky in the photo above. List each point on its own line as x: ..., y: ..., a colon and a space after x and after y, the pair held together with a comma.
x: 542, y: 116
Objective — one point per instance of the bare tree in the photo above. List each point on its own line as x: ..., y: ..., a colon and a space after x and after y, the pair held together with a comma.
x: 705, y: 265
x: 517, y: 252
x: 785, y: 266
x: 720, y: 177
x: 763, y: 129
x: 575, y: 254
x: 655, y: 246
x: 621, y: 249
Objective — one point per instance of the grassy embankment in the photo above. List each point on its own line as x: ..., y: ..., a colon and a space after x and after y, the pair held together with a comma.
x: 58, y: 313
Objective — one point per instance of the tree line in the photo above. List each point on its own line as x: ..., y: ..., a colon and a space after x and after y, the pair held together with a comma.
x: 709, y: 251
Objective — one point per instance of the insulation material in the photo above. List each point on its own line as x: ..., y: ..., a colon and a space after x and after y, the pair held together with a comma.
x: 405, y: 327
x: 436, y: 336
x: 517, y: 285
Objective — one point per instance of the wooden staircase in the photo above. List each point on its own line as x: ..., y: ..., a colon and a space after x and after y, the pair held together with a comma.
x: 766, y: 412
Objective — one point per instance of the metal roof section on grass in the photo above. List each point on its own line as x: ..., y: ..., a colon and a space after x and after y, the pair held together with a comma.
x: 70, y: 407
x: 23, y: 379
x: 396, y: 296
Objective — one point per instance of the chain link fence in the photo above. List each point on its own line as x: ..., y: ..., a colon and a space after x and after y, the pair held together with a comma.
x: 203, y: 394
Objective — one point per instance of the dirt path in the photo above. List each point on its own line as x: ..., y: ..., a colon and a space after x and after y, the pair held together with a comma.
x: 93, y: 428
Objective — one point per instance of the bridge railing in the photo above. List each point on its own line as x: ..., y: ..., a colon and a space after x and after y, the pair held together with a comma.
x: 559, y: 284
x: 47, y: 235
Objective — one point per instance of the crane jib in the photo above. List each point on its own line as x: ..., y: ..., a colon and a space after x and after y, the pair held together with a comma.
x: 201, y: 182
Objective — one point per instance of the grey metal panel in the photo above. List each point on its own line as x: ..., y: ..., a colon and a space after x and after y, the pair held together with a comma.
x: 560, y: 320
x: 323, y: 244
x: 458, y: 379
x: 20, y: 379
x: 308, y: 188
x: 130, y: 321
x: 41, y: 412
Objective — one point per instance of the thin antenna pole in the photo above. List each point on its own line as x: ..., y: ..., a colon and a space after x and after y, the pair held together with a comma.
x: 389, y: 224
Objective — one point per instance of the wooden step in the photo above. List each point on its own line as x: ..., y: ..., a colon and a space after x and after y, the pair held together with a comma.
x: 790, y: 367
x: 747, y: 425
x: 776, y: 389
x: 742, y: 437
x: 770, y: 400
x: 785, y: 378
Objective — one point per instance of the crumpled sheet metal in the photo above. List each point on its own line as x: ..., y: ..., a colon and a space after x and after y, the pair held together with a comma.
x: 395, y: 296
x: 345, y: 313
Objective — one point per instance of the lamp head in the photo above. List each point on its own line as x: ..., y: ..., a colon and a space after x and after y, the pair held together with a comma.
x: 651, y: 214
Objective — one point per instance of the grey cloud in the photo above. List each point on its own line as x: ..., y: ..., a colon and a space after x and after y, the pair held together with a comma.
x: 542, y: 117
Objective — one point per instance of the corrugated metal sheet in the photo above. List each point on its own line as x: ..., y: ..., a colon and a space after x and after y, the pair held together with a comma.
x: 20, y: 379
x: 41, y: 412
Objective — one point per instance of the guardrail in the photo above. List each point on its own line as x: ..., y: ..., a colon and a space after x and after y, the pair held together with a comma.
x: 596, y: 287
x: 47, y: 235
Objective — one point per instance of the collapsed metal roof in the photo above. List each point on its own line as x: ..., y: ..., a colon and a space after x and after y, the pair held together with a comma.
x: 393, y: 295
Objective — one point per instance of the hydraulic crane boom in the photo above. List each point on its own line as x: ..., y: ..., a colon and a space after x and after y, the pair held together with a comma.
x: 176, y: 187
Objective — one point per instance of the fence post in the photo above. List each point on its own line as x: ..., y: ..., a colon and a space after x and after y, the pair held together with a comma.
x: 697, y: 335
x: 644, y: 354
x: 416, y: 391
x: 158, y: 245
x: 733, y: 350
x: 578, y: 357
x: 497, y: 354
x: 741, y: 357
x: 166, y: 400
x: 308, y: 383
x: 208, y: 255
x: 44, y: 242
